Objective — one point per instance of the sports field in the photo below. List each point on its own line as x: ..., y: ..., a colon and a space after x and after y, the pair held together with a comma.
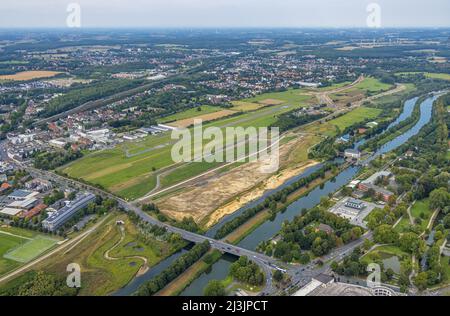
x: 18, y: 246
x: 31, y: 249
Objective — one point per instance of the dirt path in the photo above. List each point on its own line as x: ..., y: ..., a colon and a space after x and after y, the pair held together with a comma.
x: 411, y: 218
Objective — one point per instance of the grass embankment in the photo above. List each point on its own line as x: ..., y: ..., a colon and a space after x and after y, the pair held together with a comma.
x: 177, y: 286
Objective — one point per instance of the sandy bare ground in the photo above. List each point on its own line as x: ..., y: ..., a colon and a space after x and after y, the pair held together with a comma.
x: 269, y: 184
x: 216, y: 195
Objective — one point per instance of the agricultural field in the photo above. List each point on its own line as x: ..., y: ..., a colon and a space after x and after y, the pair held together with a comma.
x: 19, y: 246
x: 111, y: 256
x: 204, y: 109
x: 246, y: 106
x: 29, y: 75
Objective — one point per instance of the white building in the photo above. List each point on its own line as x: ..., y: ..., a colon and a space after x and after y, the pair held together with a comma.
x: 352, y: 153
x: 58, y: 143
x: 21, y: 138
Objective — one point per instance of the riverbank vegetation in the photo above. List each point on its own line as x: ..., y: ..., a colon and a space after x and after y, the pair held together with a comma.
x: 312, y: 234
x: 174, y: 270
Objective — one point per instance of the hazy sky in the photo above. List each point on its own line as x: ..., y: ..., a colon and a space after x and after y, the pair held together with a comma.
x: 224, y: 13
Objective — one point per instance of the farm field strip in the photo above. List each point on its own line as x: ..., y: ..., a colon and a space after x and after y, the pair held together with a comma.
x: 29, y: 75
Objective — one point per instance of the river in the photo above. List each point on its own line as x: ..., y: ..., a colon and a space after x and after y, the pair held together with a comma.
x: 270, y: 228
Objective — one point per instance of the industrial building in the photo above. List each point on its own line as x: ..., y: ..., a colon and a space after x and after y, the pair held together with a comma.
x: 62, y: 215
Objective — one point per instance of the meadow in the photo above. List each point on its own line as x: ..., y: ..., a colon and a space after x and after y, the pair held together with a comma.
x: 130, y: 170
x: 331, y: 127
x: 204, y: 109
x: 110, y: 259
x: 133, y: 175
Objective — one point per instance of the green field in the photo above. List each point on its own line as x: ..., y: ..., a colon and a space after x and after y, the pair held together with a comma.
x: 31, y: 249
x: 18, y: 246
x: 403, y: 225
x: 205, y: 109
x: 334, y: 86
x: 134, y: 176
x: 355, y: 116
x: 421, y: 210
x: 372, y: 85
x: 290, y: 96
x: 369, y: 86
x: 385, y: 252
x: 6, y: 244
x: 110, y: 257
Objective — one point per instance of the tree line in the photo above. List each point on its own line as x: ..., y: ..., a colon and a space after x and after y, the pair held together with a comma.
x: 174, y: 270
